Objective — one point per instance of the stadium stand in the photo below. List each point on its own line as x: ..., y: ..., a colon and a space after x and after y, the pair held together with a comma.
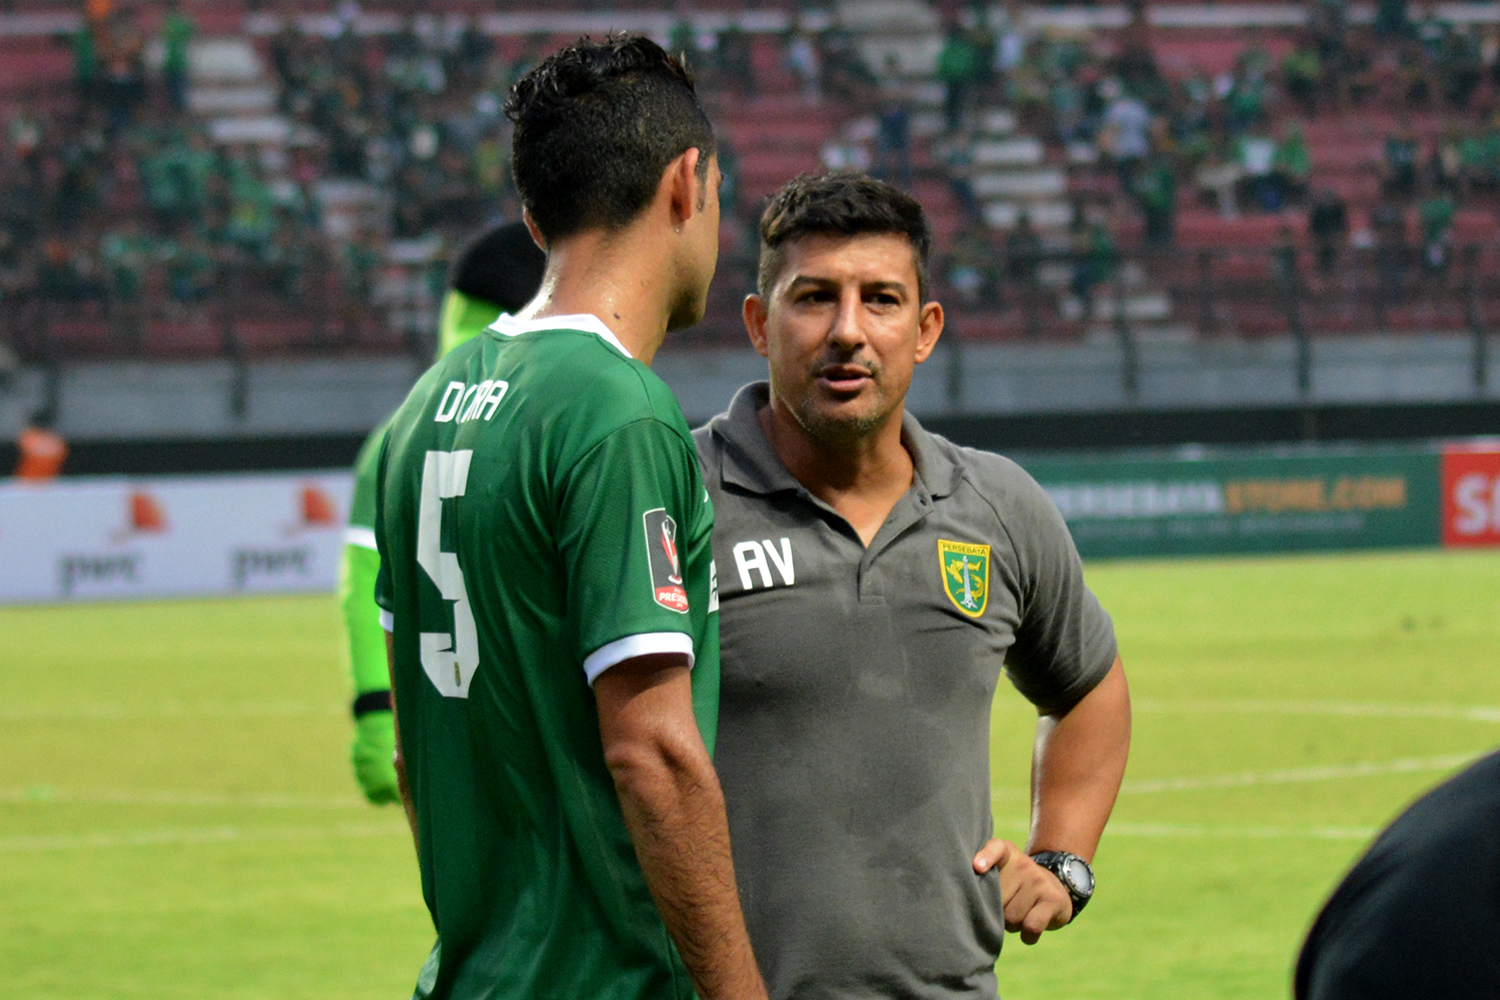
x: 1175, y: 171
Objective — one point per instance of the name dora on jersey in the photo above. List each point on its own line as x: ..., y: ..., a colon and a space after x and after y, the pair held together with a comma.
x: 463, y: 402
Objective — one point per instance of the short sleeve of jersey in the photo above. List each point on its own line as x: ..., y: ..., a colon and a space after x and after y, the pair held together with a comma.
x: 1065, y: 642
x: 627, y: 510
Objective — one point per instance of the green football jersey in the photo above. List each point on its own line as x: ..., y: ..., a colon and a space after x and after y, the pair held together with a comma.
x: 541, y: 518
x: 463, y: 318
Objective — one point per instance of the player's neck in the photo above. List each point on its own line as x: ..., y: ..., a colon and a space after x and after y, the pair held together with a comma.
x: 614, y: 277
x: 861, y: 478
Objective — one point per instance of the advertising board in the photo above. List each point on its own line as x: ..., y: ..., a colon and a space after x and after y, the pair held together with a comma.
x: 1471, y: 495
x: 1201, y: 503
x: 116, y: 538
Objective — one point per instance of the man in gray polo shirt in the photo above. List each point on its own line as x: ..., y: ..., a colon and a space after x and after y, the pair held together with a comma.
x: 874, y: 579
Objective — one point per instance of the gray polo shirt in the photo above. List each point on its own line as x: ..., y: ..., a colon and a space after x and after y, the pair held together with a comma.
x: 855, y: 704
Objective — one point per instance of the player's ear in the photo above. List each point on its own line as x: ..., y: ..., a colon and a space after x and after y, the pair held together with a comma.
x: 684, y: 187
x: 755, y: 323
x: 534, y: 230
x: 929, y: 329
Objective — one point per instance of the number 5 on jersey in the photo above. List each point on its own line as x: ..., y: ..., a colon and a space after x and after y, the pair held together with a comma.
x: 448, y: 658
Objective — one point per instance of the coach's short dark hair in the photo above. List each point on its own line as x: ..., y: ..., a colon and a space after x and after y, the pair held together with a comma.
x: 502, y: 266
x: 841, y: 204
x: 596, y: 126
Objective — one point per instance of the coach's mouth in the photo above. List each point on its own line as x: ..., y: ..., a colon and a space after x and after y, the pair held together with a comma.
x: 844, y: 378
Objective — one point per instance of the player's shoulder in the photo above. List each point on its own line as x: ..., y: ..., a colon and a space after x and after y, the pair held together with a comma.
x: 580, y: 364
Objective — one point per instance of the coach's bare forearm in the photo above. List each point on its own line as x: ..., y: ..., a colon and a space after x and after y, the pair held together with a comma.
x: 1076, y: 768
x: 674, y: 810
x: 400, y: 760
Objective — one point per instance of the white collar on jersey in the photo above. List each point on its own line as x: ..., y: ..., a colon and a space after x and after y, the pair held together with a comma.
x: 509, y: 326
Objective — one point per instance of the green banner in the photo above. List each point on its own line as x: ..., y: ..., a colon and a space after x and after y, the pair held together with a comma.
x: 1205, y: 502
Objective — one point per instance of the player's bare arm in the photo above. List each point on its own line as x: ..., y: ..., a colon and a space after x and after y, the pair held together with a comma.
x: 1077, y: 765
x: 674, y: 809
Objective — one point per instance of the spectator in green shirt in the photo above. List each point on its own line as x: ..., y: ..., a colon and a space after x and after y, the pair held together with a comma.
x: 1155, y: 190
x: 177, y: 30
x: 1293, y: 161
x: 1436, y: 215
x: 1302, y: 75
x: 959, y: 69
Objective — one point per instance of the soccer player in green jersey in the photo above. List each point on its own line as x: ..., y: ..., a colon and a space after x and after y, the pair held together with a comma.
x: 497, y: 272
x: 547, y: 579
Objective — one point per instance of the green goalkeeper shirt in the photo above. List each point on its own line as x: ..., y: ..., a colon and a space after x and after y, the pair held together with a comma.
x: 541, y: 518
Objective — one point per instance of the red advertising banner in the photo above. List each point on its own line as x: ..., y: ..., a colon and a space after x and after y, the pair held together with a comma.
x: 1471, y: 495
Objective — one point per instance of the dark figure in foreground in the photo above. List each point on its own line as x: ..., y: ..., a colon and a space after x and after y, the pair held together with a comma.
x: 1419, y: 915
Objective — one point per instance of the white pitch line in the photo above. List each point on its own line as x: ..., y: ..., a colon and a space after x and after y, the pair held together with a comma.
x: 1353, y: 709
x: 1242, y: 832
x: 93, y: 711
x: 45, y: 795
x: 1297, y: 775
x: 1127, y: 829
x: 192, y: 835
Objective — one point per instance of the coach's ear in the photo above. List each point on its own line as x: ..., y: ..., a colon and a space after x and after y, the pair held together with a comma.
x: 929, y: 329
x: 755, y: 323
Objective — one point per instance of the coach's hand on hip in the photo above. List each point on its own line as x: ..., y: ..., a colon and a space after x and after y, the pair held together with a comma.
x: 1035, y: 899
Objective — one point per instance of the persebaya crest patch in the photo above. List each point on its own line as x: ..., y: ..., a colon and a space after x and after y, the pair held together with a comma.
x: 666, y: 566
x: 966, y: 575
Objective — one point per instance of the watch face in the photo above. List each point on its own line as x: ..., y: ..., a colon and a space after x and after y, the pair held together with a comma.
x: 1079, y: 877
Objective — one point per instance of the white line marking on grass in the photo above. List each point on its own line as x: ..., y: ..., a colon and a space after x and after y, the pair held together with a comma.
x: 45, y: 794
x: 1127, y: 829
x: 1243, y: 832
x: 1368, y: 710
x: 1297, y: 775
x: 193, y: 835
x: 168, y: 710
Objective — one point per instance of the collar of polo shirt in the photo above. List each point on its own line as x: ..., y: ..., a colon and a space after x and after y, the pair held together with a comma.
x: 752, y: 464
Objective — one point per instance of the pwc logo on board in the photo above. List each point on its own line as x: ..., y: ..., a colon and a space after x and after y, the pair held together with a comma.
x: 1471, y: 495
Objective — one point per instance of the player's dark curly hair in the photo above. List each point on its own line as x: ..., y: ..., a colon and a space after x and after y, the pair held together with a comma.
x: 596, y: 126
x: 841, y: 204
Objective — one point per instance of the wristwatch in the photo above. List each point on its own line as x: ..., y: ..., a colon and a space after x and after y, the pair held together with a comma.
x: 1073, y: 872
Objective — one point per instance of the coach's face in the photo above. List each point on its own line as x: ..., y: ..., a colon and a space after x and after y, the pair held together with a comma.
x: 843, y: 329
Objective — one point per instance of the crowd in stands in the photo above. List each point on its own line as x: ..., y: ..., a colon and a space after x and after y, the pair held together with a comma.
x: 123, y: 190
x: 1135, y: 132
x: 120, y: 196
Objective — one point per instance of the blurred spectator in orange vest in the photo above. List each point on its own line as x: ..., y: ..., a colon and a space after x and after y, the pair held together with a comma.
x: 42, y: 450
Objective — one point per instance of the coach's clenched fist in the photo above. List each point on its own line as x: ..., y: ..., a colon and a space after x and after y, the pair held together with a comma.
x: 1035, y: 899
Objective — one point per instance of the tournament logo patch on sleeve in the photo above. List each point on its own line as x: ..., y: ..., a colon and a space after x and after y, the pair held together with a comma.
x: 666, y: 566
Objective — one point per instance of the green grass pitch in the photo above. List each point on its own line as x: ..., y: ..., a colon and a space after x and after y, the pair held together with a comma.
x: 177, y: 818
